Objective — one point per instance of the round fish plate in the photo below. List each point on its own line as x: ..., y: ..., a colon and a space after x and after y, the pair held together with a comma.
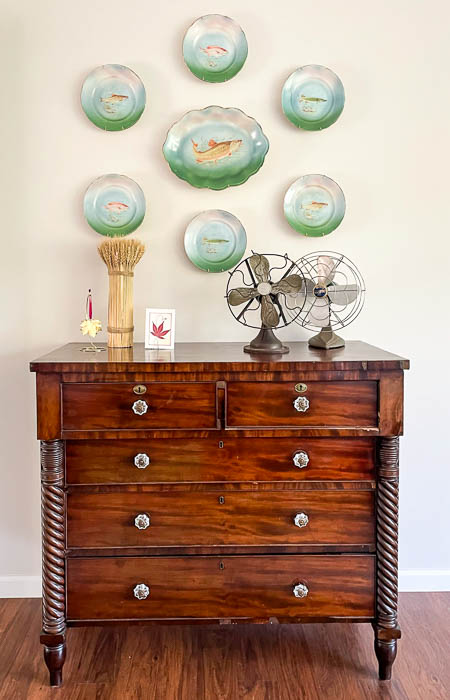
x: 114, y: 205
x: 215, y: 240
x: 113, y: 97
x: 313, y: 97
x: 215, y: 147
x: 215, y: 48
x: 314, y: 205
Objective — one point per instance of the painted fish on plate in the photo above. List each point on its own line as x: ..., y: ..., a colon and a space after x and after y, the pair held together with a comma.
x: 215, y: 240
x: 313, y: 97
x: 115, y: 209
x: 312, y: 209
x: 216, y: 151
x: 314, y: 205
x: 113, y: 97
x: 215, y: 48
x: 215, y: 147
x: 114, y: 205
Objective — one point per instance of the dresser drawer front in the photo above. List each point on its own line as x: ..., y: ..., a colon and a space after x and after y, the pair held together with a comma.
x: 208, y: 518
x: 271, y: 404
x: 226, y: 587
x: 214, y: 460
x: 171, y: 405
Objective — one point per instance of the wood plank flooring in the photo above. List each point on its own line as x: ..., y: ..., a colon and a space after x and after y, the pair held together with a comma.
x: 259, y: 662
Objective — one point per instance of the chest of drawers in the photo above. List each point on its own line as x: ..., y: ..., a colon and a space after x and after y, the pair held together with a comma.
x: 207, y: 485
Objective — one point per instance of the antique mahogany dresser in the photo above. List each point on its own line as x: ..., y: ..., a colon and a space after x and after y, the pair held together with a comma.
x: 209, y: 485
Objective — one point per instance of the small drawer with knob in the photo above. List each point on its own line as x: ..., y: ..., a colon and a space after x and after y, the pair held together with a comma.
x: 126, y: 405
x: 340, y: 404
x: 282, y: 586
x: 219, y: 460
x: 106, y: 518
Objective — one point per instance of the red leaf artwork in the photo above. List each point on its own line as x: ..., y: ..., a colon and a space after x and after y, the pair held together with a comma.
x: 158, y: 332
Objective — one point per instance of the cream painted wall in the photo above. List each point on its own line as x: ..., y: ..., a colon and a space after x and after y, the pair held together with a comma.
x: 388, y: 151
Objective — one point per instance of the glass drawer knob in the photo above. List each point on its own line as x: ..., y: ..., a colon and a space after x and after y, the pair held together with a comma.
x: 301, y: 520
x: 142, y: 521
x: 141, y: 461
x: 301, y: 459
x: 300, y: 590
x: 141, y: 591
x: 140, y: 407
x: 301, y: 404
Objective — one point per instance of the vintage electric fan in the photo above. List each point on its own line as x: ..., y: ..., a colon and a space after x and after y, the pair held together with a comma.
x: 266, y: 292
x: 334, y: 296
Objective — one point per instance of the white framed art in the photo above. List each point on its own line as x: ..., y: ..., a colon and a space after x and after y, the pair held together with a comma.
x: 159, y: 329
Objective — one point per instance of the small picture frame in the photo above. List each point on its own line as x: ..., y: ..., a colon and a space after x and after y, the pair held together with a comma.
x: 159, y: 329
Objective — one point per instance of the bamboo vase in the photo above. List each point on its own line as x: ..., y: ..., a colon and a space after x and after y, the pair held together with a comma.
x: 120, y: 257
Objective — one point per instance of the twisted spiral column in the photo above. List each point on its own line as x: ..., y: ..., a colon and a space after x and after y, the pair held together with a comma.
x: 386, y: 629
x: 53, y: 537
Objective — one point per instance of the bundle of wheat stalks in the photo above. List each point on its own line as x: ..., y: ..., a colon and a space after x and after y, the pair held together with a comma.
x: 120, y: 257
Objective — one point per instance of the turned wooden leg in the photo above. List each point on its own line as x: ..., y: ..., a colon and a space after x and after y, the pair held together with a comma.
x: 386, y: 628
x: 54, y: 657
x: 53, y: 564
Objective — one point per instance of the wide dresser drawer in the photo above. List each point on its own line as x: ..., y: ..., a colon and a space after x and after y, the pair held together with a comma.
x: 191, y: 518
x: 279, y: 404
x: 287, y: 586
x: 171, y: 405
x: 214, y: 460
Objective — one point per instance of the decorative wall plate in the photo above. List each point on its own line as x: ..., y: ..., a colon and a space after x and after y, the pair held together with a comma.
x: 215, y: 240
x: 114, y: 205
x: 215, y: 48
x: 215, y: 147
x: 113, y: 97
x: 314, y: 205
x: 313, y: 97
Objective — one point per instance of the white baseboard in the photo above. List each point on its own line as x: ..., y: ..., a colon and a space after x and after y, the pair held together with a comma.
x: 410, y: 580
x: 20, y: 586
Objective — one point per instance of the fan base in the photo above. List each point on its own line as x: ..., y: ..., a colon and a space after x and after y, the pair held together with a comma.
x: 266, y: 341
x: 326, y: 340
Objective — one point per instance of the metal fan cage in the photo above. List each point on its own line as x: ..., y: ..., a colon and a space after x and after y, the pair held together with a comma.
x: 346, y: 274
x: 287, y: 305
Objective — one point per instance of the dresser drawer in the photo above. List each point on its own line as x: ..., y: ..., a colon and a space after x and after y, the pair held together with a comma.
x: 214, y: 460
x: 271, y: 404
x: 116, y: 519
x: 213, y: 587
x: 182, y: 405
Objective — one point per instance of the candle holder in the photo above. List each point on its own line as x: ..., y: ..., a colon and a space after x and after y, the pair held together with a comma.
x: 90, y: 326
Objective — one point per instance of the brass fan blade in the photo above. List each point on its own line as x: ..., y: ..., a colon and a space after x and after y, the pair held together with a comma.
x: 290, y: 285
x: 260, y: 266
x: 241, y: 294
x: 342, y: 294
x: 325, y: 270
x: 269, y: 314
x: 319, y: 313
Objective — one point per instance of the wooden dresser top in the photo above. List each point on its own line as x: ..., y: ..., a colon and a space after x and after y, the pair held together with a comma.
x: 200, y: 357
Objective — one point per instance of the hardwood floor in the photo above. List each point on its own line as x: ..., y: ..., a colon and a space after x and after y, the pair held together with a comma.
x: 267, y: 662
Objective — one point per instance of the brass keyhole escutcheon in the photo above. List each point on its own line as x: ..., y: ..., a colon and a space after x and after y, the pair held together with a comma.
x: 139, y: 389
x: 220, y: 444
x: 221, y: 500
x: 300, y: 388
x: 221, y: 566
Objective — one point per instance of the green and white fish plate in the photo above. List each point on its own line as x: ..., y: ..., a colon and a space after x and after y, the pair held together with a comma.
x: 114, y: 205
x: 113, y: 97
x: 314, y: 205
x: 215, y: 240
x: 313, y: 97
x: 215, y: 48
x: 215, y: 147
